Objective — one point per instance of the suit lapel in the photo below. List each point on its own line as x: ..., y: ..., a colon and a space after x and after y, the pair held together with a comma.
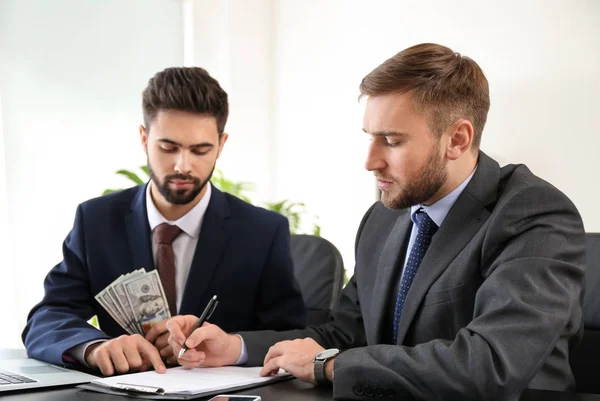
x: 138, y: 233
x: 209, y: 249
x: 464, y: 219
x: 386, y: 268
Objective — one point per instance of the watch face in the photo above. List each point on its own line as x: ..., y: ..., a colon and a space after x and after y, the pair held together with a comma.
x: 328, y: 353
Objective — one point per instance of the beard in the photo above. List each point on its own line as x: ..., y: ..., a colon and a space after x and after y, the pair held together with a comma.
x: 429, y: 180
x: 179, y: 196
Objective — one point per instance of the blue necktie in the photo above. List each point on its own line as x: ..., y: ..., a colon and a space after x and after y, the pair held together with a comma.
x: 427, y: 228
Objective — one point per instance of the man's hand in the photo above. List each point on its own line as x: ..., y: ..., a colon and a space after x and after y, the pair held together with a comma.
x: 128, y: 353
x: 207, y: 346
x: 159, y: 336
x: 295, y: 357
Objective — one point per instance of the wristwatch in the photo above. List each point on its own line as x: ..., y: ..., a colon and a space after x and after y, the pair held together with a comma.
x: 319, y: 363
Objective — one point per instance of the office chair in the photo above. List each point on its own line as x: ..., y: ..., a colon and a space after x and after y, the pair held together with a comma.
x: 319, y: 269
x: 585, y: 358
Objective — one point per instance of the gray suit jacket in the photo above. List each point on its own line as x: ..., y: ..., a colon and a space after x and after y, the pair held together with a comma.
x: 493, y: 309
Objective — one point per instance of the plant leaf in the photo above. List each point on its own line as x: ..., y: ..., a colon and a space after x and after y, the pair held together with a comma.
x: 94, y: 322
x: 110, y: 191
x: 132, y: 176
x: 316, y: 230
x: 238, y: 189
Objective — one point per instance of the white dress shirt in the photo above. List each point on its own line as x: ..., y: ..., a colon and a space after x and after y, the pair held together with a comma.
x: 184, y: 247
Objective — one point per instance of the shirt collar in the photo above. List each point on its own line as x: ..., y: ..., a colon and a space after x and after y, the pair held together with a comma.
x: 189, y: 223
x: 439, y: 210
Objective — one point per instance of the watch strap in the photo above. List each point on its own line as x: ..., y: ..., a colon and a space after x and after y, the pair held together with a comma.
x: 319, y: 370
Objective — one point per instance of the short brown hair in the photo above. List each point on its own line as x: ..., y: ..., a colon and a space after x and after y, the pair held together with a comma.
x: 445, y: 85
x: 189, y: 89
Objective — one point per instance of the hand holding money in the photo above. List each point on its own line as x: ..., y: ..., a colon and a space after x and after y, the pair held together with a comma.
x: 136, y: 301
x: 159, y: 336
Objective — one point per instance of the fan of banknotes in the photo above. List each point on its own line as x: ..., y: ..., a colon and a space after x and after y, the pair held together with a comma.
x: 136, y: 301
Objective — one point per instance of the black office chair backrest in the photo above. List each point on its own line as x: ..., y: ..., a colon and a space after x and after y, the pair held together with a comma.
x: 585, y: 359
x: 591, y: 300
x: 319, y: 269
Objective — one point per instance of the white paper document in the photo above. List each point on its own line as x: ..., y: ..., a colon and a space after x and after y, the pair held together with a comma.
x: 183, y: 383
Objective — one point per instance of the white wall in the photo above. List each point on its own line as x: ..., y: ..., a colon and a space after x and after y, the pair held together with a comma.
x: 71, y: 78
x: 541, y: 58
x: 7, y: 289
x: 233, y: 41
x: 262, y: 52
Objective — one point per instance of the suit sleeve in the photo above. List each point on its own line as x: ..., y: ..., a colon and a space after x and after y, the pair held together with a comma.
x: 344, y: 331
x: 533, y: 264
x: 59, y: 321
x: 279, y: 305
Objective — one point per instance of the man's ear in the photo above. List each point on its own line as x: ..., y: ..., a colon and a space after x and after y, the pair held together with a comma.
x: 144, y: 138
x: 222, y: 139
x: 460, y: 138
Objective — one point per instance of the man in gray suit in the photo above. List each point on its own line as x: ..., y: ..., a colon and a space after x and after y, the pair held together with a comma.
x: 468, y: 277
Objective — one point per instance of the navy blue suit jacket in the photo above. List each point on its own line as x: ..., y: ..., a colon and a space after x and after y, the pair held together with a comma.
x: 243, y: 256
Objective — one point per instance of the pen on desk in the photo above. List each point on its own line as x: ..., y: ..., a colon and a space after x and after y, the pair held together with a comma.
x: 208, y: 311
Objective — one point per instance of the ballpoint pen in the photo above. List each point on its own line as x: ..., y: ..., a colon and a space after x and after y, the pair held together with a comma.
x: 208, y: 311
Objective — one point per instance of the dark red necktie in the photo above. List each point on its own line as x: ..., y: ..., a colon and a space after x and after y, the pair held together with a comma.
x: 165, y: 261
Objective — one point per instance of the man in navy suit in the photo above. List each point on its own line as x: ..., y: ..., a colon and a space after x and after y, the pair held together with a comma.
x: 225, y: 246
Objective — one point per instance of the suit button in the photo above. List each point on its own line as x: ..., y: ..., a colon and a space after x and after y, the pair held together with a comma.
x: 358, y: 390
x: 389, y: 393
x: 369, y: 391
x: 379, y: 392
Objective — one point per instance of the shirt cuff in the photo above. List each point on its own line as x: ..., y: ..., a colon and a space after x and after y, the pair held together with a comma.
x: 243, y: 359
x: 78, y: 352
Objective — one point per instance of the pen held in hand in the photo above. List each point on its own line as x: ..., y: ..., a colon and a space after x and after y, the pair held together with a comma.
x: 208, y: 311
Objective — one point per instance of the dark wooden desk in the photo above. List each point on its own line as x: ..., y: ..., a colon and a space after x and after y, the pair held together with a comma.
x: 293, y: 390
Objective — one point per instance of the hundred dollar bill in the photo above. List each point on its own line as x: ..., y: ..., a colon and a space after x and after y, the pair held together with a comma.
x: 130, y: 322
x: 146, y: 300
x: 107, y: 307
x: 156, y: 279
x: 117, y: 289
x: 104, y: 299
x: 129, y: 326
x: 109, y: 300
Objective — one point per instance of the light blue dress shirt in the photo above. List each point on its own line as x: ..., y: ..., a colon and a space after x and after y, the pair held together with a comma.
x: 437, y: 212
